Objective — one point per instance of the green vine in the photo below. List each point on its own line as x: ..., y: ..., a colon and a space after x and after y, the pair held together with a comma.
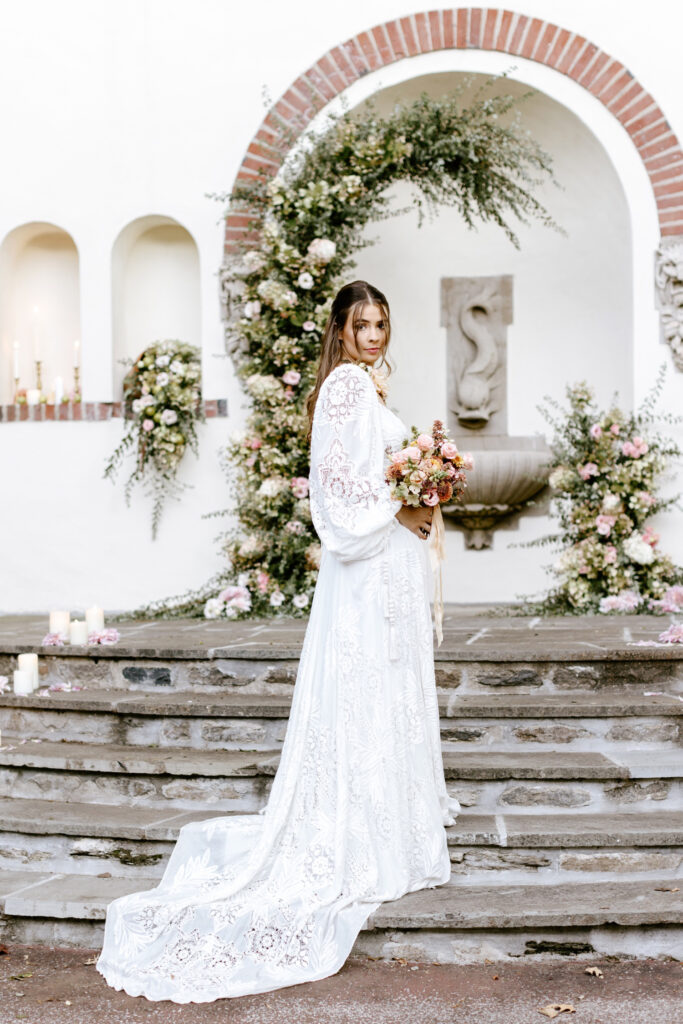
x: 162, y: 403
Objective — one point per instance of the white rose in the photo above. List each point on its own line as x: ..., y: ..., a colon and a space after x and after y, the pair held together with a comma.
x: 162, y: 380
x: 638, y: 550
x: 305, y: 280
x: 243, y: 579
x: 163, y: 360
x: 213, y: 608
x: 169, y: 417
x: 276, y: 598
x: 252, y: 310
x: 300, y: 600
x: 177, y: 367
x: 322, y: 250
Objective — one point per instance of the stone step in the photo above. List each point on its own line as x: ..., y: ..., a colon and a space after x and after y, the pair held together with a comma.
x: 136, y: 841
x: 240, y: 780
x: 233, y: 721
x: 451, y: 922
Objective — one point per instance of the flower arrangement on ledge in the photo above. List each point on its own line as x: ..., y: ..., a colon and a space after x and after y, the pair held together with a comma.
x: 162, y: 404
x: 605, y: 471
x: 306, y: 227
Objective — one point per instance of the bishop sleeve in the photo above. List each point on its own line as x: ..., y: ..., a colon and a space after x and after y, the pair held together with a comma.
x: 351, y: 505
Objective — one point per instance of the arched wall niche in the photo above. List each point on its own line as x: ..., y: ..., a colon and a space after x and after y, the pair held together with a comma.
x: 155, y: 288
x: 39, y: 306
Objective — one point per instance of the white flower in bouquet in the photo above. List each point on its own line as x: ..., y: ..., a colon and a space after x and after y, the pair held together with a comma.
x: 305, y: 280
x: 264, y: 386
x: 163, y: 360
x: 252, y: 309
x: 169, y: 417
x: 611, y: 503
x: 213, y: 608
x: 139, y: 404
x: 273, y: 485
x: 162, y: 380
x: 276, y: 294
x: 251, y: 545
x: 243, y: 579
x: 322, y: 250
x: 560, y: 478
x: 254, y: 261
x: 177, y: 367
x: 276, y: 598
x: 300, y: 600
x: 638, y: 550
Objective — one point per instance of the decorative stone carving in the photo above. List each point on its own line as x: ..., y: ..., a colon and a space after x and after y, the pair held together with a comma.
x: 476, y: 312
x: 669, y: 283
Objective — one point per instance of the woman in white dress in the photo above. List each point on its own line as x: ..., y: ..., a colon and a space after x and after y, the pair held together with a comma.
x: 356, y: 813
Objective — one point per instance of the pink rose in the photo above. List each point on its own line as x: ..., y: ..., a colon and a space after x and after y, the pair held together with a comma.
x: 291, y: 377
x: 412, y: 453
x: 262, y: 580
x: 430, y: 498
x: 299, y: 485
x: 610, y: 554
x: 449, y: 450
x: 308, y: 325
x: 148, y: 425
x: 425, y: 442
x: 250, y: 462
x: 254, y: 443
x: 595, y: 431
x: 467, y: 460
x: 614, y: 429
x: 399, y: 458
x: 604, y: 524
x: 587, y: 471
x: 650, y: 537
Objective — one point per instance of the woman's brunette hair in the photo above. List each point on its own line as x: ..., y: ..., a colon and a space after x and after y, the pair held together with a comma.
x: 349, y: 300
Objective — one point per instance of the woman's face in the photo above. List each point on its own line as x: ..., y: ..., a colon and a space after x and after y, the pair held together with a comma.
x: 370, y: 337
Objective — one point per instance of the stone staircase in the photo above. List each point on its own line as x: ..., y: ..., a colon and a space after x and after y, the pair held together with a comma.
x: 566, y: 763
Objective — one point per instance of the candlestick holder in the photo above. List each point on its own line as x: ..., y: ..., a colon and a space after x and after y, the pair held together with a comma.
x: 39, y: 375
x: 77, y: 383
x: 16, y: 389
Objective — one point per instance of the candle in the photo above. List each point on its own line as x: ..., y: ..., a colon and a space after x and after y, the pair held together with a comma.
x: 59, y: 623
x: 59, y: 390
x: 29, y: 663
x: 33, y: 396
x: 94, y: 618
x: 16, y: 360
x: 77, y: 353
x: 78, y: 632
x: 36, y: 334
x: 23, y: 682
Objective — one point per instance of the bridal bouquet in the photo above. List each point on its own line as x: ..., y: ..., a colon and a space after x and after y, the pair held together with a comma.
x: 429, y: 470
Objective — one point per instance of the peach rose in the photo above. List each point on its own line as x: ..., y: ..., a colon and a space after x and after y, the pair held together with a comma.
x: 430, y: 498
x: 449, y: 450
x: 425, y: 442
x: 413, y: 453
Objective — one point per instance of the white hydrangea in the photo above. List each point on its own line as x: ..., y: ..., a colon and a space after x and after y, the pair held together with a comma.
x: 611, y: 504
x: 254, y: 261
x: 273, y: 485
x: 177, y: 367
x: 213, y: 608
x: 276, y: 294
x: 251, y: 545
x: 638, y: 550
x: 560, y: 478
x: 322, y: 250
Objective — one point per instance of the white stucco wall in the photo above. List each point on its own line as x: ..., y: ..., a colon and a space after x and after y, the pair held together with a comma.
x: 114, y: 112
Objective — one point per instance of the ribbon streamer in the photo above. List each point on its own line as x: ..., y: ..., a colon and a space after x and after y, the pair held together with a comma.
x: 437, y: 555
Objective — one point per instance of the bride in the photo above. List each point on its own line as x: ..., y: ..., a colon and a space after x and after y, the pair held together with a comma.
x: 356, y: 814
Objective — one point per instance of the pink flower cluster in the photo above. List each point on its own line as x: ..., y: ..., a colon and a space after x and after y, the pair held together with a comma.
x: 672, y: 635
x: 299, y: 485
x: 650, y: 537
x: 53, y: 640
x: 105, y: 637
x: 238, y: 599
x: 625, y: 601
x: 635, y: 448
x: 430, y: 470
x: 588, y: 470
x: 604, y: 524
x: 670, y: 601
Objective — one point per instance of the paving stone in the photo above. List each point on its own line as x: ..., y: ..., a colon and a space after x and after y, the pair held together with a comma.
x: 72, y: 896
x: 555, y: 796
x: 622, y: 860
x: 16, y: 881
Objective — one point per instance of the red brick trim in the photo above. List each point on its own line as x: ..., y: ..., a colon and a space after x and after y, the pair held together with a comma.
x: 482, y: 28
x: 87, y: 411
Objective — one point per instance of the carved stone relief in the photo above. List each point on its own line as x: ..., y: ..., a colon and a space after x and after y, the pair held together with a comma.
x: 669, y: 283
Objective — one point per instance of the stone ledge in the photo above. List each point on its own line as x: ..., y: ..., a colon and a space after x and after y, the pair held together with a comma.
x: 86, y: 411
x: 486, y: 764
x: 455, y: 905
x: 191, y: 704
x: 652, y: 828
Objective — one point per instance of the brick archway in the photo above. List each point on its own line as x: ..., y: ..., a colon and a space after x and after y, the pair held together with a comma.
x: 483, y: 29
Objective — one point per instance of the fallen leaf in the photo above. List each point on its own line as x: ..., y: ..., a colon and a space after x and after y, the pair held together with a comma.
x: 555, y: 1009
x: 18, y: 977
x: 594, y: 970
x: 93, y: 960
x: 664, y: 888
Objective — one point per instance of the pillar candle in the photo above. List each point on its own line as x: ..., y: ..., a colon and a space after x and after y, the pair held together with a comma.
x: 16, y: 359
x: 29, y: 663
x: 33, y: 396
x: 59, y: 622
x: 59, y: 390
x: 78, y: 632
x: 94, y: 618
x: 23, y: 682
x: 77, y: 353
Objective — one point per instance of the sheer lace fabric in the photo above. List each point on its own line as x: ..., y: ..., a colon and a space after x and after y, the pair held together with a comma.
x: 356, y: 813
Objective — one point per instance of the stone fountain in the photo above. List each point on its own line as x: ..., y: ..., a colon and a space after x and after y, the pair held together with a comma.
x: 508, y: 471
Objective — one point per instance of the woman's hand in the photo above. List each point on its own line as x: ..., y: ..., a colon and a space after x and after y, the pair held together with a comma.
x: 417, y: 520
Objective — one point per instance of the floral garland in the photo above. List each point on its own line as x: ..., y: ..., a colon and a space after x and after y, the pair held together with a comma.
x: 605, y: 470
x: 306, y: 227
x: 162, y: 404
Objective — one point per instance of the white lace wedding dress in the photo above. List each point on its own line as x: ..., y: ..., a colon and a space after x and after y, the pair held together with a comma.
x: 356, y: 814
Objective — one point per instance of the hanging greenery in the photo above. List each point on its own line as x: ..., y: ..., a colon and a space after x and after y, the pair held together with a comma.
x: 307, y: 227
x: 162, y: 403
x: 606, y: 467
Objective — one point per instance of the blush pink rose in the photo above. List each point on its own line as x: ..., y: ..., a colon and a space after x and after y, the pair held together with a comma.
x: 587, y: 471
x: 299, y: 485
x: 148, y: 425
x: 413, y: 453
x: 614, y: 429
x: 262, y: 580
x: 291, y: 377
x: 399, y: 458
x: 424, y: 442
x: 596, y: 430
x: 449, y: 450
x: 430, y: 498
x: 610, y: 554
x: 467, y: 460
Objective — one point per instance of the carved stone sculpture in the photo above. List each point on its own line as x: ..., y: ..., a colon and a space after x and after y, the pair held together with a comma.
x: 476, y: 312
x: 669, y: 282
